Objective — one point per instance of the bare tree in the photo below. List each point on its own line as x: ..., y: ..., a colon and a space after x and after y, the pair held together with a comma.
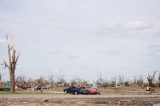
x: 73, y: 82
x: 60, y: 78
x: 134, y: 83
x: 151, y: 79
x: 105, y: 84
x: 100, y: 80
x: 137, y: 81
x: 140, y: 81
x: 12, y: 62
x: 120, y: 81
x: 51, y: 79
x: 113, y: 82
x: 21, y: 79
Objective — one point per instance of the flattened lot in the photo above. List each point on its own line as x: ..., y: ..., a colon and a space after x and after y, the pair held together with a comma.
x: 77, y: 100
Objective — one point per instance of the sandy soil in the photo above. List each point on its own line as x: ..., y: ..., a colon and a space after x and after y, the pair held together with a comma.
x: 77, y: 100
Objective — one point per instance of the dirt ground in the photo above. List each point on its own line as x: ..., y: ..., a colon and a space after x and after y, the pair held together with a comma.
x: 78, y: 100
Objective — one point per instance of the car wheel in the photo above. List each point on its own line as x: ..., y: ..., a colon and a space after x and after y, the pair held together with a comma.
x: 76, y: 93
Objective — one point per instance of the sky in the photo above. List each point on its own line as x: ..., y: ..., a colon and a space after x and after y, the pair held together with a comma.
x: 82, y: 38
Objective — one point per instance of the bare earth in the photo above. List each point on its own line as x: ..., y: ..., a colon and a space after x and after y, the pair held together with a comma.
x: 77, y: 100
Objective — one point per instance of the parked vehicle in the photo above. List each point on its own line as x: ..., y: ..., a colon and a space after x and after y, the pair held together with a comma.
x: 93, y: 91
x: 80, y: 90
x: 75, y: 90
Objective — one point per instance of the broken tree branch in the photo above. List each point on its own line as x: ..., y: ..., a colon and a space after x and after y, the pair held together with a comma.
x: 11, y: 48
x: 17, y: 58
x: 6, y: 65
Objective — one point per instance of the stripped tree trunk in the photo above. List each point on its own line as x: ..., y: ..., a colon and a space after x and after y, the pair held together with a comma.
x: 12, y: 62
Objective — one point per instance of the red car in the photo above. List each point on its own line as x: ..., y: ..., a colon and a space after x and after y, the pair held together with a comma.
x: 93, y: 91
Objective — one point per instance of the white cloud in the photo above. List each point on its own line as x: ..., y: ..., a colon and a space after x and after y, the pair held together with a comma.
x: 137, y: 25
x: 130, y: 26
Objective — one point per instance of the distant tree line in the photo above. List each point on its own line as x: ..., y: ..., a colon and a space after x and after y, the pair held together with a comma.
x: 52, y: 81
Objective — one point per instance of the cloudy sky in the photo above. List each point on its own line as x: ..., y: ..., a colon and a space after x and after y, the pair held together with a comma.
x: 81, y: 38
